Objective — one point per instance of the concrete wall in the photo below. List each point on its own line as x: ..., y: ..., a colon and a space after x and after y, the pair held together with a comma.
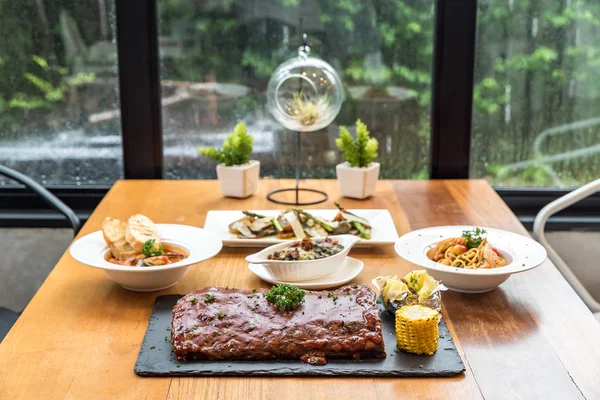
x: 28, y: 257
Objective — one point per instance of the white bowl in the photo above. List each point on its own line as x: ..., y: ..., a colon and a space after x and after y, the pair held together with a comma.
x: 303, y: 270
x: 349, y: 270
x: 523, y: 253
x: 199, y: 244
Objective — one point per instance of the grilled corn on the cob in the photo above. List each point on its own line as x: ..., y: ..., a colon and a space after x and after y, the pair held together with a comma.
x: 417, y: 329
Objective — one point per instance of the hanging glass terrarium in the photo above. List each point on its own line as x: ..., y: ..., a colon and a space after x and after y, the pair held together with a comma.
x: 305, y: 94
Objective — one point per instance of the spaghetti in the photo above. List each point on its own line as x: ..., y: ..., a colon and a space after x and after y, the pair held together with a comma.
x: 471, y: 251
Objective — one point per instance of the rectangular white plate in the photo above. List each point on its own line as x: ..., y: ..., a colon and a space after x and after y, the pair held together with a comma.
x: 217, y: 221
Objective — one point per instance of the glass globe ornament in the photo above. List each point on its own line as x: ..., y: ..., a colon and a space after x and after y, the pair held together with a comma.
x: 305, y: 94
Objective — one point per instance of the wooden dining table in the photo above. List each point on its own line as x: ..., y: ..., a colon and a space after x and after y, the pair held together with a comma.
x: 79, y: 337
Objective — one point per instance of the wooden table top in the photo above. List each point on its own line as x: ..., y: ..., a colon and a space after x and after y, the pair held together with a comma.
x: 79, y: 338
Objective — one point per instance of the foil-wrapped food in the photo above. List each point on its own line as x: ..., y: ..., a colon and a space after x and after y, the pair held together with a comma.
x: 416, y: 288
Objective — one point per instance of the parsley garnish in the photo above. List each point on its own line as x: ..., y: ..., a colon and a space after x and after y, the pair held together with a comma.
x: 220, y: 315
x: 209, y: 298
x: 150, y: 250
x: 152, y: 347
x: 193, y: 300
x: 414, y: 281
x: 474, y: 237
x: 285, y: 296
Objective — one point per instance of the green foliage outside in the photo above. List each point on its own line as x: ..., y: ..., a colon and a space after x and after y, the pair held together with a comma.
x: 236, y: 148
x: 48, y: 93
x: 36, y: 77
x: 359, y: 152
x: 537, y: 67
x: 537, y: 64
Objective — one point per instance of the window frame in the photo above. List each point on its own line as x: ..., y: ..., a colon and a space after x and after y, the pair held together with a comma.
x: 140, y: 108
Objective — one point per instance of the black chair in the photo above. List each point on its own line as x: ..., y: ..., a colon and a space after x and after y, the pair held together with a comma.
x: 48, y: 197
x: 8, y: 317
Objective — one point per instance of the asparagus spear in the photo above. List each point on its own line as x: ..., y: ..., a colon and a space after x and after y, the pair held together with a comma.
x: 351, y: 216
x: 318, y: 220
x: 251, y: 214
x: 363, y: 233
x: 277, y: 225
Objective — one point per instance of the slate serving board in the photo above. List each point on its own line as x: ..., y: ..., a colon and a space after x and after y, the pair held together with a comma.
x: 156, y: 359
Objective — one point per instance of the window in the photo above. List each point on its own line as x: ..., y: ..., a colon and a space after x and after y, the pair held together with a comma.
x: 217, y: 57
x: 536, y: 109
x: 59, y: 107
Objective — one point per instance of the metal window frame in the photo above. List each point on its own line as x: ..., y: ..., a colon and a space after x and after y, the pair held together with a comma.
x: 452, y: 91
x: 453, y: 71
x: 139, y: 87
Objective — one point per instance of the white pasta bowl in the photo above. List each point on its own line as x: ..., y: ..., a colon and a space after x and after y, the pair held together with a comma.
x: 198, y: 244
x: 521, y: 252
x: 303, y: 270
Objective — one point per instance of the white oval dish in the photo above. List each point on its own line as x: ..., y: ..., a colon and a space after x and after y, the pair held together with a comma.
x: 349, y: 270
x: 303, y: 270
x: 522, y: 252
x: 199, y: 244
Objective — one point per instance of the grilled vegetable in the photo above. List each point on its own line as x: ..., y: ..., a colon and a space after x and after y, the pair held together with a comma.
x: 362, y: 231
x: 313, y: 229
x: 326, y: 225
x: 277, y: 225
x: 240, y: 228
x: 341, y: 227
x: 251, y: 214
x: 261, y: 224
x: 351, y: 217
x: 297, y: 223
x: 417, y: 329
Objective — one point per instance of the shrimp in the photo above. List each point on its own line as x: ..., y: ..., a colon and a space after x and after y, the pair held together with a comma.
x: 438, y: 252
x: 489, y: 256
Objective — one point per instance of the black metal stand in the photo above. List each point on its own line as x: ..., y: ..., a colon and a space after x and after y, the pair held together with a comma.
x: 297, y: 189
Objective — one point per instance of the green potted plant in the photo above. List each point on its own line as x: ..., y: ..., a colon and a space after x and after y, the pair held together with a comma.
x: 238, y: 175
x: 357, y: 177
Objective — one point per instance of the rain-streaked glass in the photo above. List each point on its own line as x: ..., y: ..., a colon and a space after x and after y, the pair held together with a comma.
x: 536, y: 118
x: 217, y: 58
x: 59, y: 103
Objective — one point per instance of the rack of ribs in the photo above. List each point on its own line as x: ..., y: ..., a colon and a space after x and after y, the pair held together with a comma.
x: 233, y: 324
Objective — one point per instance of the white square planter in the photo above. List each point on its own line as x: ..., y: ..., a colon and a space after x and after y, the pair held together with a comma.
x: 355, y: 182
x: 239, y: 180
